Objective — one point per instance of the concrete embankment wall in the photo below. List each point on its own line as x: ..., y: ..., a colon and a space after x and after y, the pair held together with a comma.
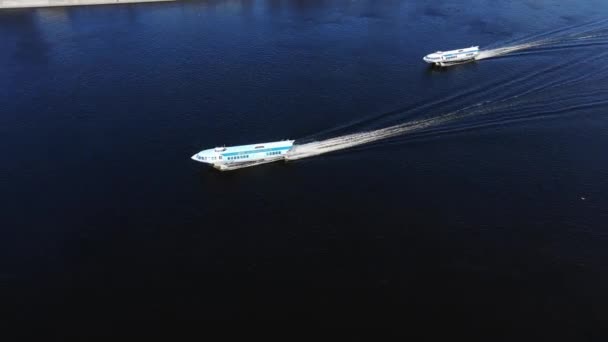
x: 52, y: 3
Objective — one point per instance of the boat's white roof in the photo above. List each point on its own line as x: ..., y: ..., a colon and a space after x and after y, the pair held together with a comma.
x: 472, y: 48
x: 253, y: 147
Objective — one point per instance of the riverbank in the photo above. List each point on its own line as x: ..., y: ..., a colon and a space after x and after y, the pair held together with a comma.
x: 55, y: 3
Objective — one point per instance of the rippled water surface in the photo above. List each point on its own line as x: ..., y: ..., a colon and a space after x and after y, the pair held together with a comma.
x: 472, y: 195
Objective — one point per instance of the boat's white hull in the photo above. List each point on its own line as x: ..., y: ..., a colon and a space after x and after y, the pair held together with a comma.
x: 452, y: 57
x: 235, y: 166
x: 461, y: 61
x: 238, y: 157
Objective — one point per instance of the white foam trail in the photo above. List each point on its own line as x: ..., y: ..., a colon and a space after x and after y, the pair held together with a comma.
x: 500, y: 51
x: 483, y: 54
x: 315, y: 148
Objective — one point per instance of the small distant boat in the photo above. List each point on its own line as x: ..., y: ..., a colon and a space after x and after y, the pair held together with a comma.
x: 236, y: 157
x: 447, y: 58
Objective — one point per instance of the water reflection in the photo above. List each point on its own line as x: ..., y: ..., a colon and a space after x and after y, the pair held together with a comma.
x: 53, y: 14
x: 21, y: 28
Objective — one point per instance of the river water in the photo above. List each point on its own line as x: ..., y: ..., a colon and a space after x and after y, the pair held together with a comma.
x: 473, y: 195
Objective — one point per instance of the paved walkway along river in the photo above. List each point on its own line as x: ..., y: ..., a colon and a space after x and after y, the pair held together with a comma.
x: 50, y: 3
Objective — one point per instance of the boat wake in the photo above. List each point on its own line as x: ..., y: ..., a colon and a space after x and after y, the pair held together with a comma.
x: 315, y: 148
x: 554, y: 90
x: 559, y: 89
x: 516, y: 108
x: 558, y: 38
x: 492, y: 53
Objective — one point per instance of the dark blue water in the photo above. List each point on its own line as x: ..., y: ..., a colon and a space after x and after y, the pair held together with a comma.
x: 493, y: 221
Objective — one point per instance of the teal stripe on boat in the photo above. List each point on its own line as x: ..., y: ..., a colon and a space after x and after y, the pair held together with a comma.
x: 261, y: 150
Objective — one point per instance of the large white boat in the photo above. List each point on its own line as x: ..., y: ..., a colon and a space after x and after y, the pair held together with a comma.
x: 236, y: 157
x: 446, y: 58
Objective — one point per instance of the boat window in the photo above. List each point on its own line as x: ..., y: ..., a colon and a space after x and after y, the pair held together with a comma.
x: 261, y: 146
